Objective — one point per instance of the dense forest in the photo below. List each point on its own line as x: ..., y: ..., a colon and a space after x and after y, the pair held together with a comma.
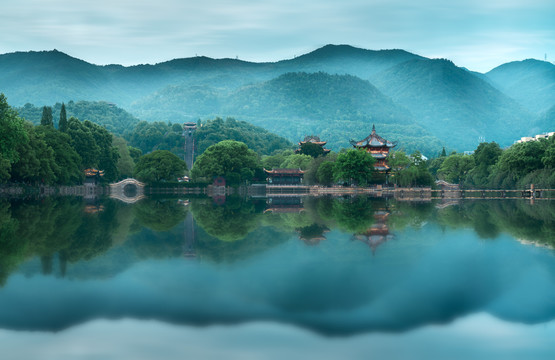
x: 335, y: 91
x: 42, y: 154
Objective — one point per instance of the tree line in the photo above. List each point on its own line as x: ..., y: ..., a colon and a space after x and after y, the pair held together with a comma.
x: 489, y: 166
x: 239, y: 152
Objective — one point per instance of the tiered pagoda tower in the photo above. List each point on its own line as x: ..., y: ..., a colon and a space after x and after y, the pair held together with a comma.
x: 378, y: 147
x: 314, y: 140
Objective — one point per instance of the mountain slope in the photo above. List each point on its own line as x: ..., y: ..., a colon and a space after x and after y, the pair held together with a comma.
x: 530, y: 82
x: 113, y: 118
x: 337, y: 107
x: 345, y: 59
x: 453, y: 104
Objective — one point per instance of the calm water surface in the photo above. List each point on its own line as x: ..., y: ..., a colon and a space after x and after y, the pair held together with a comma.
x: 275, y: 278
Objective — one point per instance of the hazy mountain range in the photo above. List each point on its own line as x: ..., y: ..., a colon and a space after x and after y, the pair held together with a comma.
x: 337, y: 92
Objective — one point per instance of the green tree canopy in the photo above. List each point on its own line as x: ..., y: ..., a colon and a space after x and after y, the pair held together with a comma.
x: 11, y: 129
x: 62, y: 125
x: 230, y: 159
x: 296, y: 161
x: 455, y: 168
x: 159, y: 165
x: 47, y: 119
x: 354, y: 166
x: 311, y: 149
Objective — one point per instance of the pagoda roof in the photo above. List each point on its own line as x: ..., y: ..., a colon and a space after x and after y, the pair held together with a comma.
x: 373, y: 140
x: 313, y: 139
x: 285, y: 171
x: 93, y: 172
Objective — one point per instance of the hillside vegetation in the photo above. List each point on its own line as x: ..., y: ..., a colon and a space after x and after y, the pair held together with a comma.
x: 337, y: 92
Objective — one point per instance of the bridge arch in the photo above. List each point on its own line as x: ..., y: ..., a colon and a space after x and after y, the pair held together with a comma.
x: 128, y: 190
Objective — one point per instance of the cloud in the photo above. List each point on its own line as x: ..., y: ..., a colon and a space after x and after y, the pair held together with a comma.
x: 139, y: 31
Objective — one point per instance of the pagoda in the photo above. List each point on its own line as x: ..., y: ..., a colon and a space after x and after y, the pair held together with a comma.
x: 378, y: 147
x: 314, y: 140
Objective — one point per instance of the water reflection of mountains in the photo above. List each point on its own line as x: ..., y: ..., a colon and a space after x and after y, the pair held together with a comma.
x: 339, y: 291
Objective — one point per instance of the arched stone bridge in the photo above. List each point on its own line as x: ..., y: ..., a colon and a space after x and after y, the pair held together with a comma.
x: 128, y: 190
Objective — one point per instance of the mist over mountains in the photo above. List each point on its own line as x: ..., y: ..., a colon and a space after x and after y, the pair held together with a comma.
x: 337, y: 92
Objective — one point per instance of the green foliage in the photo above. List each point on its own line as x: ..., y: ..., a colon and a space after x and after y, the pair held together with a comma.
x: 231, y: 159
x: 93, y: 143
x: 325, y: 173
x: 62, y: 124
x: 159, y: 165
x: 354, y: 167
x: 36, y: 162
x: 125, y: 162
x: 275, y: 160
x: 159, y: 215
x: 53, y: 226
x: 13, y: 133
x: 409, y: 170
x: 256, y: 138
x: 47, y: 119
x: 296, y: 161
x: 113, y: 118
x: 455, y: 168
x: 311, y: 149
x: 485, y: 157
x: 230, y: 222
x: 452, y: 103
x: 68, y: 163
x: 148, y: 137
x: 522, y: 158
x: 134, y: 153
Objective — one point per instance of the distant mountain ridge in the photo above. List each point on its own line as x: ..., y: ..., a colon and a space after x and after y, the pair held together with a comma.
x: 530, y: 82
x: 429, y: 99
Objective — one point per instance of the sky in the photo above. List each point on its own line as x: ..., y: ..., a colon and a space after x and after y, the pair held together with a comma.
x: 476, y: 34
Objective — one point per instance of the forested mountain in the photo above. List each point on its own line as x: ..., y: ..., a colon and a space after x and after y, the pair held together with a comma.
x: 293, y: 98
x: 530, y: 82
x: 167, y: 136
x: 453, y: 104
x: 545, y: 122
x: 337, y: 107
x: 113, y: 118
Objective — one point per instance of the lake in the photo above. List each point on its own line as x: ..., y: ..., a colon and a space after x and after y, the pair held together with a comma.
x: 281, y: 277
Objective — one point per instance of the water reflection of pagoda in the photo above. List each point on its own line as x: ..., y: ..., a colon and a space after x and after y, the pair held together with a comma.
x: 378, y: 233
x: 312, y: 234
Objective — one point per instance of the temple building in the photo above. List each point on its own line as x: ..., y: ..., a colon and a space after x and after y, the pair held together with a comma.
x: 378, y: 147
x: 313, y: 140
x: 284, y: 176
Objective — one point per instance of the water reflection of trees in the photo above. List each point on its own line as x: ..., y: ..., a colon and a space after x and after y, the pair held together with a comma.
x: 515, y: 217
x: 59, y: 232
x: 159, y: 214
x: 52, y: 227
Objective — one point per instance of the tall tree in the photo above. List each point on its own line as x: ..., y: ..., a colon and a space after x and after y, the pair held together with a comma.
x: 62, y: 125
x: 12, y: 134
x: 230, y: 159
x: 47, y: 119
x: 354, y: 166
x: 159, y: 165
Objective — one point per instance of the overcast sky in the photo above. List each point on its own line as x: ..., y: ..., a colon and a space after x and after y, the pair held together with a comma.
x: 477, y: 34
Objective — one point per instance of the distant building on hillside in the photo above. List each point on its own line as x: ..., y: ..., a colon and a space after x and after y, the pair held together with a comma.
x: 535, y: 138
x: 314, y: 140
x: 378, y: 147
